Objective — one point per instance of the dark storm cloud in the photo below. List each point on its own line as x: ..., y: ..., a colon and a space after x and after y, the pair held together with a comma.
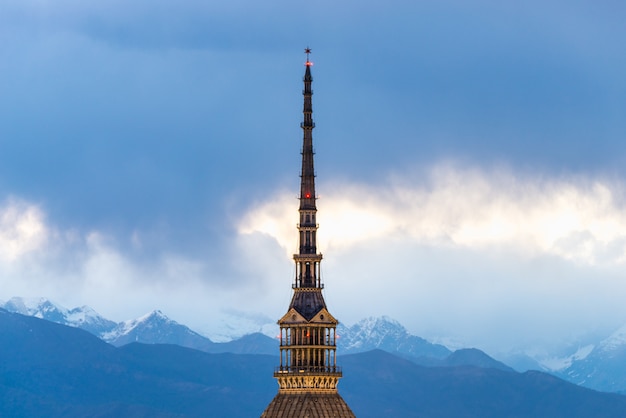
x: 100, y: 130
x: 158, y: 114
x: 149, y: 99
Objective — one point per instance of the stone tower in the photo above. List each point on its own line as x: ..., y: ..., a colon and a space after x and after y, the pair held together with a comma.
x: 308, y: 373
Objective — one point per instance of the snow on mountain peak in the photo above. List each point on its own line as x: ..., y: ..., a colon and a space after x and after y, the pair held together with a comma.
x: 155, y: 315
x: 82, y: 314
x: 370, y: 332
x: 83, y: 317
x: 40, y: 308
x: 380, y: 326
x: 556, y: 364
x: 386, y: 334
x: 371, y: 323
x: 614, y: 341
x: 151, y: 320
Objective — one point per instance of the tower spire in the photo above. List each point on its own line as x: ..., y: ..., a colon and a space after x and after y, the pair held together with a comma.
x: 307, y: 260
x: 307, y: 176
x: 308, y: 373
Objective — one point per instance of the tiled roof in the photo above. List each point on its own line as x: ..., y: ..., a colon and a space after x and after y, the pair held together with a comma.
x: 308, y: 303
x: 308, y: 405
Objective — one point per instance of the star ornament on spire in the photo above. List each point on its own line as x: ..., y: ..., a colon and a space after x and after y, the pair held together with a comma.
x: 307, y: 51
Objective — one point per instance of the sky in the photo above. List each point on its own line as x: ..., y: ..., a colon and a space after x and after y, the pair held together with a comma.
x: 470, y: 157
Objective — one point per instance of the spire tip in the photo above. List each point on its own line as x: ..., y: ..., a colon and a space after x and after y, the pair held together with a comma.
x: 307, y: 51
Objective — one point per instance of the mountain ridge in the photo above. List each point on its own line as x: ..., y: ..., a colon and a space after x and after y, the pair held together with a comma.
x: 52, y: 370
x: 599, y: 366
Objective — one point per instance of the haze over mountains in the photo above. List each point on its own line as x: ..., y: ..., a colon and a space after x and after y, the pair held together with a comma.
x: 601, y: 367
x: 52, y: 370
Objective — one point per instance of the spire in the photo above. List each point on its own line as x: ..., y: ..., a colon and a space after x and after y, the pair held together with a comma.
x: 307, y: 176
x: 308, y: 373
x: 307, y: 260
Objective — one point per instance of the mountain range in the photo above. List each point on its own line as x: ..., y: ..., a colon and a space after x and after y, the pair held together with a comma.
x: 52, y: 370
x: 82, y: 317
x: 156, y: 328
x: 152, y: 328
x: 601, y: 367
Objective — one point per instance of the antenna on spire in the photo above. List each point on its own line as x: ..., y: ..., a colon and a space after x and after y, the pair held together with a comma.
x: 307, y: 51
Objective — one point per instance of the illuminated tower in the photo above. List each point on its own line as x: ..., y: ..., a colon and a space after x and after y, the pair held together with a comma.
x: 308, y: 373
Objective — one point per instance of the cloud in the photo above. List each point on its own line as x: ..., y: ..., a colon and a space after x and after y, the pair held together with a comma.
x: 488, y: 258
x: 577, y: 219
x: 91, y: 267
x: 22, y: 229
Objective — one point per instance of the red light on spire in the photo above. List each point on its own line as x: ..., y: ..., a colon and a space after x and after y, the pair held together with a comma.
x: 307, y: 195
x: 307, y: 51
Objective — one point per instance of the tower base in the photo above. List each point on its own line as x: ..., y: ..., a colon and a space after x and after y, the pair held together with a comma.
x: 308, y: 405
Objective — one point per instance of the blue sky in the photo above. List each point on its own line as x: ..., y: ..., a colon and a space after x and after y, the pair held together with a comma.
x: 470, y: 161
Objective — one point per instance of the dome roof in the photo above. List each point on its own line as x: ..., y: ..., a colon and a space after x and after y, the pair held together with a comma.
x: 308, y: 405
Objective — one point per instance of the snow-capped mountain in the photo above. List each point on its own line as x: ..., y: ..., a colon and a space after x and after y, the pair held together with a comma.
x: 56, y: 371
x: 604, y: 368
x: 82, y: 317
x: 615, y: 342
x: 389, y: 335
x: 156, y: 328
x: 600, y: 365
x: 152, y: 328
